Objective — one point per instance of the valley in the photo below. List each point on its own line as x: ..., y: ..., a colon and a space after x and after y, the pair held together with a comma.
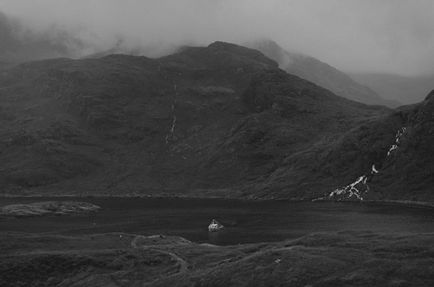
x: 216, y: 143
x: 165, y: 242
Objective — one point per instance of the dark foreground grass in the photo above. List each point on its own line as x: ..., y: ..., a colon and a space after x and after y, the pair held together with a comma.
x: 116, y: 259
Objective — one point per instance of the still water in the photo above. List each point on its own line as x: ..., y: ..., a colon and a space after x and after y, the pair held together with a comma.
x: 244, y: 221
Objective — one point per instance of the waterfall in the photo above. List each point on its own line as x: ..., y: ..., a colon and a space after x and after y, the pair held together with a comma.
x: 360, y: 187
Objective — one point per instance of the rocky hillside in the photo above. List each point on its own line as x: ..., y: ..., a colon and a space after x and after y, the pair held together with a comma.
x: 322, y: 74
x: 221, y: 120
x: 370, y: 161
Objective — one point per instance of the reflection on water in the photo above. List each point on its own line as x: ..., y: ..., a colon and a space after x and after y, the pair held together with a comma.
x: 243, y: 221
x: 215, y: 237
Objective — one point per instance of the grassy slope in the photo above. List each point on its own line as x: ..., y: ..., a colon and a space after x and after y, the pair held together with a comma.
x: 333, y: 259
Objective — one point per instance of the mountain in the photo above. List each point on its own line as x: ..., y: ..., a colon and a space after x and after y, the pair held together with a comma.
x: 321, y: 73
x: 405, y: 89
x: 20, y: 44
x: 369, y: 161
x: 154, y: 50
x: 221, y: 120
x: 206, y: 118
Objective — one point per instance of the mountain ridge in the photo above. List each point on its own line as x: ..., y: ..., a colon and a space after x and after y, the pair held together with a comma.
x: 321, y: 73
x: 221, y: 120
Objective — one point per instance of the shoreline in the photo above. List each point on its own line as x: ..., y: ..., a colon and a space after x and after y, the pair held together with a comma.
x: 406, y: 203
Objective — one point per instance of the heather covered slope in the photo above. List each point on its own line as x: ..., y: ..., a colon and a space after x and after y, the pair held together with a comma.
x: 405, y: 165
x: 215, y: 118
x: 412, y: 167
x: 390, y: 158
x: 119, y: 259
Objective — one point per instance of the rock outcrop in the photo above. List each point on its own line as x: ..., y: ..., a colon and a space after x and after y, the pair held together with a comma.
x: 48, y: 208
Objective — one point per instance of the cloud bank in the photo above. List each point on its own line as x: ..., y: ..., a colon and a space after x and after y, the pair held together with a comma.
x: 394, y: 36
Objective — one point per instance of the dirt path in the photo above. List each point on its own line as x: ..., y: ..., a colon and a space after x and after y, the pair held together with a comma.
x: 183, y: 265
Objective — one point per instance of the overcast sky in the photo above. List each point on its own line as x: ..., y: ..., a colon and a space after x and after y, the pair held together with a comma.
x: 394, y: 36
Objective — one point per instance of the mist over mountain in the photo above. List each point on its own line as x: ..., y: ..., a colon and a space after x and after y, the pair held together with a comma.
x: 396, y: 37
x: 321, y: 74
x: 24, y: 40
x: 405, y: 89
x: 19, y: 43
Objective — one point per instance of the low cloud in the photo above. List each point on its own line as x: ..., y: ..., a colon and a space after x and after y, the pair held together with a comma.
x: 394, y: 36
